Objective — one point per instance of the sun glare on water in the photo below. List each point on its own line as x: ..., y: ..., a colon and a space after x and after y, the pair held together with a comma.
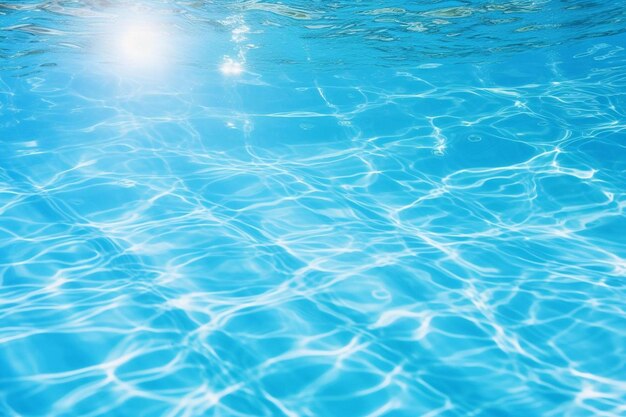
x: 231, y: 68
x: 139, y: 47
x: 154, y: 47
x: 142, y: 45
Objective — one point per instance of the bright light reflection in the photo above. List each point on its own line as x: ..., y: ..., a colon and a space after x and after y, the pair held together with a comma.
x: 142, y: 46
x: 230, y: 67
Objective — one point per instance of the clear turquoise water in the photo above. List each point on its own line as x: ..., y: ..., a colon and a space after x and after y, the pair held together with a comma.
x: 312, y: 208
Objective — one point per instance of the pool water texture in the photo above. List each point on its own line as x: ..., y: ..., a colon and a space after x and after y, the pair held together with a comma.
x: 312, y: 208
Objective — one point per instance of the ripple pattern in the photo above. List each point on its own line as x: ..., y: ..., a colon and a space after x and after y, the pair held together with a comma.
x: 312, y: 208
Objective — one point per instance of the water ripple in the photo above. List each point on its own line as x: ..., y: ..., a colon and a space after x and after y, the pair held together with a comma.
x: 312, y: 209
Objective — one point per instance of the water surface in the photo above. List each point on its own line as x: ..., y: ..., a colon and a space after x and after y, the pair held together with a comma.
x: 312, y: 208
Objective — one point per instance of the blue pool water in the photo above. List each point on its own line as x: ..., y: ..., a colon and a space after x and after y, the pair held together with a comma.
x: 312, y: 208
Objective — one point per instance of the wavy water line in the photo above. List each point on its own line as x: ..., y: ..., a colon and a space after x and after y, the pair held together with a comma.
x: 439, y: 237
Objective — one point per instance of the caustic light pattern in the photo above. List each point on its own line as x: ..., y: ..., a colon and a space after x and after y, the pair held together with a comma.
x: 312, y: 208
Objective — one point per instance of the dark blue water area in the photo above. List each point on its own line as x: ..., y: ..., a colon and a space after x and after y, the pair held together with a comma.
x: 312, y: 208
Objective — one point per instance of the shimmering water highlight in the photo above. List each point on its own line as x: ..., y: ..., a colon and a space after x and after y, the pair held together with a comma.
x: 312, y: 208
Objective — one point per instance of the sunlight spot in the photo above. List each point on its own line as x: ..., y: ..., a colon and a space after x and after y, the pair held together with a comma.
x: 231, y: 68
x: 142, y: 45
